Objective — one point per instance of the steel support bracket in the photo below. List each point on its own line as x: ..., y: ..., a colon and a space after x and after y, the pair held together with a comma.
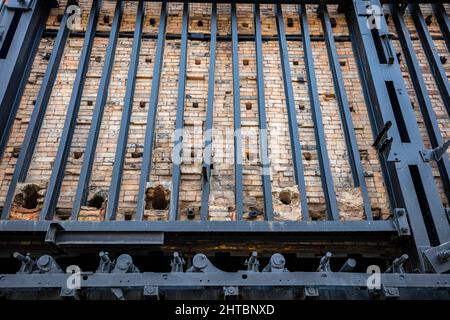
x: 310, y: 293
x: 151, y: 292
x: 230, y: 293
x: 50, y: 235
x: 19, y: 5
x: 201, y: 263
x: 401, y: 223
x: 437, y: 259
x: 436, y: 153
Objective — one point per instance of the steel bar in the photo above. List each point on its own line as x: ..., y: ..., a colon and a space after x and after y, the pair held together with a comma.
x: 100, y: 102
x: 37, y: 117
x: 207, y: 151
x: 152, y: 112
x: 59, y: 165
x: 114, y: 190
x: 296, y: 148
x: 437, y: 69
x: 324, y: 162
x: 16, y: 66
x: 263, y: 133
x: 177, y: 153
x: 423, y: 97
x: 344, y: 110
x: 239, y: 189
x: 443, y: 21
x: 410, y: 178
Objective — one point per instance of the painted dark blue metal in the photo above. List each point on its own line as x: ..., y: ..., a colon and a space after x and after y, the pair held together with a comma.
x: 292, y: 116
x: 16, y: 67
x: 152, y: 112
x: 59, y: 165
x: 322, y: 152
x: 239, y: 189
x: 207, y: 150
x: 114, y: 190
x: 443, y: 21
x: 263, y: 132
x: 423, y: 98
x: 433, y: 58
x: 344, y: 110
x: 37, y: 117
x: 100, y: 102
x: 177, y: 154
x: 403, y: 162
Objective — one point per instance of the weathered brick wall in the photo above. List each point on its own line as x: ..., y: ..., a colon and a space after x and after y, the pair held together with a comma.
x: 222, y: 188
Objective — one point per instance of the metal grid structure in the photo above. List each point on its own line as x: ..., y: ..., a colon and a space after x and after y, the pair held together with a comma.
x: 419, y: 224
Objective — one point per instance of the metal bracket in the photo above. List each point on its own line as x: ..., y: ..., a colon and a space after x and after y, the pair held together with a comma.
x: 177, y: 263
x: 28, y: 263
x: 437, y: 259
x: 382, y: 140
x: 50, y: 236
x: 310, y: 293
x: 276, y: 264
x: 324, y: 265
x: 47, y: 264
x: 401, y: 223
x: 106, y: 265
x: 19, y: 5
x: 70, y: 294
x: 436, y: 153
x: 397, y: 265
x: 253, y: 263
x: 231, y: 293
x: 390, y: 292
x: 200, y: 263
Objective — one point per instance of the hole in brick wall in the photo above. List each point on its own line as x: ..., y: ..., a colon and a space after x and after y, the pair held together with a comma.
x: 28, y: 197
x: 142, y: 104
x: 136, y: 154
x: 98, y: 59
x: 16, y: 152
x: 295, y: 63
x: 198, y: 62
x: 333, y: 22
x: 290, y: 22
x: 199, y: 23
x: 285, y: 196
x: 106, y: 19
x: 157, y: 198
x: 47, y: 56
x: 307, y: 155
x: 428, y: 20
x: 342, y: 63
x: 78, y: 154
x: 152, y: 22
x: 128, y: 216
x: 248, y: 106
x: 245, y: 62
x: 245, y: 24
x: 399, y: 56
x: 301, y: 107
x: 192, y: 154
x: 96, y: 201
x: 148, y: 60
x: 247, y: 155
x: 90, y: 102
x: 443, y: 59
x: 195, y: 104
x: 33, y: 102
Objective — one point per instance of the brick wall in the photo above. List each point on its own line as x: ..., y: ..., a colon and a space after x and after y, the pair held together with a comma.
x: 222, y: 188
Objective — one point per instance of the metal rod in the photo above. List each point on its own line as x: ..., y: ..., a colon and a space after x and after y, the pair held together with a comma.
x: 263, y: 133
x: 437, y: 70
x: 239, y: 190
x: 324, y: 162
x: 54, y: 186
x: 37, y: 117
x: 207, y: 151
x: 114, y: 191
x: 94, y: 130
x: 296, y: 148
x: 443, y: 21
x: 423, y: 98
x: 177, y: 154
x: 344, y: 111
x: 152, y: 111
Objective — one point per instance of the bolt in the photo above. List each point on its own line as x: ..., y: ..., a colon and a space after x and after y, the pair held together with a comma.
x: 277, y: 260
x: 311, y: 290
x: 404, y: 230
x: 231, y: 290
x: 150, y: 290
x: 443, y: 256
x: 200, y: 261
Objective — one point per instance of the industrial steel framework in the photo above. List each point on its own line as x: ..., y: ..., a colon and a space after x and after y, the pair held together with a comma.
x: 419, y: 225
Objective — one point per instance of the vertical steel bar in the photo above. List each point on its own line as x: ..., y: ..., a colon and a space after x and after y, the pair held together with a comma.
x: 239, y: 189
x: 296, y: 148
x: 177, y: 153
x: 263, y: 139
x: 207, y: 151
x: 443, y: 21
x: 116, y: 179
x: 433, y: 58
x: 344, y: 111
x: 102, y: 96
x: 324, y: 162
x: 152, y: 111
x: 420, y: 88
x: 37, y: 117
x: 54, y: 186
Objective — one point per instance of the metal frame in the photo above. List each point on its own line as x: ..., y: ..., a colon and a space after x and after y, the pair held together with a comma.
x: 54, y: 186
x: 443, y: 21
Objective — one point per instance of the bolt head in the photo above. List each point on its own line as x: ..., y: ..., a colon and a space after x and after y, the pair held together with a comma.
x: 277, y: 260
x: 200, y: 261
